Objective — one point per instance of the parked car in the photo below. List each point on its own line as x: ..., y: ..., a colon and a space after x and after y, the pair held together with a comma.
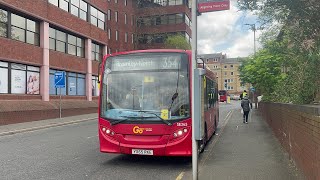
x: 236, y: 97
x: 231, y: 96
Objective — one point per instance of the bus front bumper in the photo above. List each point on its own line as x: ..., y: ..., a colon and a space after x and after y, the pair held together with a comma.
x: 174, y: 147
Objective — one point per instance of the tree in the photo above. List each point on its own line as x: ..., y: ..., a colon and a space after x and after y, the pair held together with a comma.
x: 262, y: 71
x: 177, y: 42
x: 294, y: 48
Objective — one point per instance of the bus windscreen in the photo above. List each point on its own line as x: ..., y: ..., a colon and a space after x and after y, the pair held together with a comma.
x: 144, y: 82
x: 222, y: 93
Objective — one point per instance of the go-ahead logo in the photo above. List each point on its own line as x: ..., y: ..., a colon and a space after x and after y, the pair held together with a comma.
x: 139, y: 130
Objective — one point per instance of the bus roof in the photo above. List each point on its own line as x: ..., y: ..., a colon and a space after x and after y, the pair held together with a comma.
x: 148, y: 51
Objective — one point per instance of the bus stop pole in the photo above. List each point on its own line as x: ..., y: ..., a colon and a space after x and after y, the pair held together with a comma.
x: 194, y: 66
x: 60, y: 104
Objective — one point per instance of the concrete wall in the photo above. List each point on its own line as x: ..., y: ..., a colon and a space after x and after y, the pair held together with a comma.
x: 298, y: 130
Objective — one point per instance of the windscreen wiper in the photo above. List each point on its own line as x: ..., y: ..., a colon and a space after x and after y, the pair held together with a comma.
x: 153, y: 113
x: 123, y: 120
x: 140, y: 117
x: 174, y: 97
x: 117, y: 122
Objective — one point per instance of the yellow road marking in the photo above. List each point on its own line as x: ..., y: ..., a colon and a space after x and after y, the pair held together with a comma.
x: 180, y: 176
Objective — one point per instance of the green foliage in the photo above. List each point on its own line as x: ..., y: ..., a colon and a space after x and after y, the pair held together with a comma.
x: 263, y: 71
x: 286, y: 69
x: 177, y: 42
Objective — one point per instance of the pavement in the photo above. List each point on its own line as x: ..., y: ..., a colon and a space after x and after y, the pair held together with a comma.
x: 238, y: 151
x: 246, y: 151
x: 42, y: 124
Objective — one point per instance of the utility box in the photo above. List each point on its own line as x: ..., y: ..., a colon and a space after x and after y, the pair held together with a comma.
x: 199, y: 85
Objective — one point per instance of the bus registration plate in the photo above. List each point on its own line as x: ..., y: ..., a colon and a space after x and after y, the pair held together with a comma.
x: 142, y: 152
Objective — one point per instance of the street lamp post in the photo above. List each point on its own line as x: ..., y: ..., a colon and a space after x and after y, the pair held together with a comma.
x: 254, y: 29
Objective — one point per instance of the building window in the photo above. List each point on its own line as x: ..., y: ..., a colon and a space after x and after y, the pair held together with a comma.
x: 188, y: 38
x: 22, y: 79
x: 4, y: 77
x: 116, y: 1
x: 79, y: 8
x: 156, y: 38
x: 117, y: 35
x: 96, y: 52
x: 3, y: 23
x: 19, y: 28
x: 157, y: 3
x: 75, y: 84
x: 187, y: 20
x: 132, y: 20
x: 125, y: 18
x: 109, y: 50
x: 116, y: 16
x: 162, y: 20
x: 109, y: 14
x: 126, y: 37
x: 179, y: 18
x: 62, y: 4
x: 54, y: 2
x: 132, y: 38
x: 109, y: 33
x: 95, y: 89
x: 175, y: 2
x: 66, y: 43
x: 75, y: 46
x: 231, y: 73
x: 125, y: 2
x: 231, y: 65
x: 97, y: 18
x: 171, y: 19
x: 225, y: 67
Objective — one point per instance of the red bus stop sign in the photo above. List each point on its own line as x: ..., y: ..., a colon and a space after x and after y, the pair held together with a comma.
x: 213, y: 5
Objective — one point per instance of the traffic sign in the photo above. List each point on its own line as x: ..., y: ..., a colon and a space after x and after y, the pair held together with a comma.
x: 213, y: 5
x: 59, y: 79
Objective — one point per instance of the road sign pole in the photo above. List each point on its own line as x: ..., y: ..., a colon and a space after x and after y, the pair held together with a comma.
x: 194, y: 66
x: 60, y: 105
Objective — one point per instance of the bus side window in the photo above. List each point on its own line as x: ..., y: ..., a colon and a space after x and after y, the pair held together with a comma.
x: 210, y: 93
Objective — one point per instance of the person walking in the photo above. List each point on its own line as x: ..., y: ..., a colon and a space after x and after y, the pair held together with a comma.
x: 243, y: 94
x: 246, y: 104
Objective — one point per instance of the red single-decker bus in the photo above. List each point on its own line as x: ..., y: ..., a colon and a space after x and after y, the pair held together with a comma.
x: 223, y: 95
x: 145, y: 103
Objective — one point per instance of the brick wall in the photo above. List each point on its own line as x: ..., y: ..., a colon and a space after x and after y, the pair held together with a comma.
x: 17, y: 111
x: 298, y: 130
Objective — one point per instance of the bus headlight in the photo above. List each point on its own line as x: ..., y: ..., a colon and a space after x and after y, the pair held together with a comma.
x: 107, y: 131
x: 180, y: 132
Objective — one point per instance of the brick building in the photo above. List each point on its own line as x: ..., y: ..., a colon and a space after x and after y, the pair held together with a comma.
x: 40, y: 37
x: 227, y: 70
x: 158, y: 19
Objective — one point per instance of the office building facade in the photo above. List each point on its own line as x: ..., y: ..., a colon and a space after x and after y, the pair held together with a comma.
x: 41, y: 37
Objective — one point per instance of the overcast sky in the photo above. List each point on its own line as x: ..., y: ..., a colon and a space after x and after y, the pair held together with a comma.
x: 226, y: 32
